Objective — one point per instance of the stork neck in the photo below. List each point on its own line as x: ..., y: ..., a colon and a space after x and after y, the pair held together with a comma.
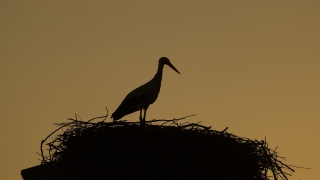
x: 158, y: 75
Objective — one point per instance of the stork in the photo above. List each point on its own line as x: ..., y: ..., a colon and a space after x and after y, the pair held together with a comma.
x: 141, y: 97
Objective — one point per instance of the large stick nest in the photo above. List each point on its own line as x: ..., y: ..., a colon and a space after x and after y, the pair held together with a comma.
x: 163, y: 149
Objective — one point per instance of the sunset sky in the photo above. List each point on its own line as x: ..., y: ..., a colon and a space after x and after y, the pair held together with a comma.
x: 252, y: 66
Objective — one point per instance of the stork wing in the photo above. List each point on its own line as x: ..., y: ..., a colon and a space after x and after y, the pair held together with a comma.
x: 128, y: 106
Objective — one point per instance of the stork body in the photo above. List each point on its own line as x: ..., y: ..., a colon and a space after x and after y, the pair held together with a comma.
x: 143, y: 96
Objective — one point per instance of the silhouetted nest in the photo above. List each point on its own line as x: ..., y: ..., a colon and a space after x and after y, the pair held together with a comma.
x: 163, y: 149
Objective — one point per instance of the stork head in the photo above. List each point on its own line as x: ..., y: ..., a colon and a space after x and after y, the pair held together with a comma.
x: 165, y: 60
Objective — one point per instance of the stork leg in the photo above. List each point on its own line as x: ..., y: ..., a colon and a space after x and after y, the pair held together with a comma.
x: 141, y: 116
x: 144, y: 115
x: 143, y: 120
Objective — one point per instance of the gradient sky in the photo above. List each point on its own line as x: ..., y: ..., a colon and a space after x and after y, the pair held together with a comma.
x: 252, y: 66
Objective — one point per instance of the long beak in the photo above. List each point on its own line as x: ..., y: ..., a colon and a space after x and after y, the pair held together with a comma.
x: 169, y: 64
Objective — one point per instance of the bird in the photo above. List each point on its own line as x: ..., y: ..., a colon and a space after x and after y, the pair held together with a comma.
x: 141, y: 97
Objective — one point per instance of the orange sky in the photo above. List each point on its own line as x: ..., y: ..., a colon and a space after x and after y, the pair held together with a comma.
x: 252, y: 66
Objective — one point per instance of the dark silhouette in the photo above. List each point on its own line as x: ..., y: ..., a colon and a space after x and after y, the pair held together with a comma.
x: 169, y: 150
x: 143, y: 96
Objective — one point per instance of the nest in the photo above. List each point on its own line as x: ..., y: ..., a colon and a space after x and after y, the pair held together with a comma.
x: 163, y: 149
